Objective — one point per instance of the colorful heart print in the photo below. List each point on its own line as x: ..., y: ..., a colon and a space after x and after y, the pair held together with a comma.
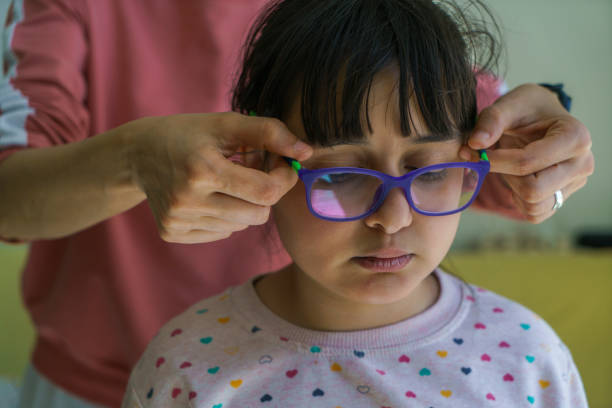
x: 159, y: 362
x: 265, y: 359
x: 424, y: 372
x: 544, y: 384
x: 363, y: 389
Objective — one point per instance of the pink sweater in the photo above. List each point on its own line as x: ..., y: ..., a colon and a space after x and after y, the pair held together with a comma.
x: 471, y: 348
x: 74, y: 69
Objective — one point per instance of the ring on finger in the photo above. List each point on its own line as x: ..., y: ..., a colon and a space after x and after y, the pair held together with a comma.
x: 558, y: 200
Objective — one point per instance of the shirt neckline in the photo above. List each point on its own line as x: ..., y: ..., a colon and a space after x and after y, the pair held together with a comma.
x: 435, y: 322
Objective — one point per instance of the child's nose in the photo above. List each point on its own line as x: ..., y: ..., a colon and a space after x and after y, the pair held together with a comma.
x: 394, y: 213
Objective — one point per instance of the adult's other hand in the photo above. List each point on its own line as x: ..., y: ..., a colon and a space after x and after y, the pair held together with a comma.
x: 196, y: 192
x: 535, y: 147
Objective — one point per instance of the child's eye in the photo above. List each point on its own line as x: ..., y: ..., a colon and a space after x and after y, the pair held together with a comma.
x: 433, y: 176
x: 337, y: 178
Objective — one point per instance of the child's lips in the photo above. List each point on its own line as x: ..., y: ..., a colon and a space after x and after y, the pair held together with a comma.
x: 383, y: 264
x: 386, y: 253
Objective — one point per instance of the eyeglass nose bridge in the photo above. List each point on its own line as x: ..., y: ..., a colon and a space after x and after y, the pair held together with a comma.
x: 389, y: 183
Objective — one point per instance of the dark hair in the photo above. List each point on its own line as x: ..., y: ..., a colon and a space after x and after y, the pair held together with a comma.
x: 330, y: 49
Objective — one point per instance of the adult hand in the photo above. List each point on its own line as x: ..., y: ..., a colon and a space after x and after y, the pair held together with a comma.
x: 535, y: 147
x: 197, y: 194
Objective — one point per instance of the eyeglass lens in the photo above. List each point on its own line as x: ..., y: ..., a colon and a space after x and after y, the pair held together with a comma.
x: 341, y: 195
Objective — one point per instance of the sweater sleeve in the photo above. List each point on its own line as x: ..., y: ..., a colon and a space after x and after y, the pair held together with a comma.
x: 43, y: 90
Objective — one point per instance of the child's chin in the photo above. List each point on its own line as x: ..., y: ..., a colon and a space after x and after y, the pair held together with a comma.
x: 383, y: 289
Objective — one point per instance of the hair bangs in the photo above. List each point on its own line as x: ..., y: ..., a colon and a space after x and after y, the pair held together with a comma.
x: 328, y: 54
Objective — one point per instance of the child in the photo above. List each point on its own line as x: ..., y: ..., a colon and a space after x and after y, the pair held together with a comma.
x: 363, y: 317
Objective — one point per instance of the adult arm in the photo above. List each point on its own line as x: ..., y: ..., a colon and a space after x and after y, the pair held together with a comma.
x: 178, y: 163
x: 55, y: 180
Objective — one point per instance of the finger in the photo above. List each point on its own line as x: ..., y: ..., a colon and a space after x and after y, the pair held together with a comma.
x: 563, y: 139
x: 223, y: 207
x: 194, y: 237
x: 178, y: 225
x: 251, y: 185
x: 516, y: 108
x: 536, y: 187
x: 263, y: 133
x: 538, y: 212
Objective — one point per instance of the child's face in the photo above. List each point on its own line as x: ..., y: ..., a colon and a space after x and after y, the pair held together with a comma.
x: 327, y: 251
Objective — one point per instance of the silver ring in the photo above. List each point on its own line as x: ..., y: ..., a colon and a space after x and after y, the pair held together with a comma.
x: 558, y: 200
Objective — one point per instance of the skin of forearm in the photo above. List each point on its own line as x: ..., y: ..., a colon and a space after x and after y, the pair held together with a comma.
x: 48, y: 193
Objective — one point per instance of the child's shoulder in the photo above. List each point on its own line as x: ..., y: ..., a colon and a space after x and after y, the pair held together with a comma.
x: 496, y: 312
x: 504, y: 324
x: 190, y: 340
x: 204, y: 322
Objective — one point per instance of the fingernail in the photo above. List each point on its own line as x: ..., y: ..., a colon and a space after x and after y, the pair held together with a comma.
x: 300, y: 147
x: 479, y: 138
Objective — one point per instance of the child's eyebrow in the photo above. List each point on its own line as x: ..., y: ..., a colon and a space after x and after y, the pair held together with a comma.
x: 436, y: 137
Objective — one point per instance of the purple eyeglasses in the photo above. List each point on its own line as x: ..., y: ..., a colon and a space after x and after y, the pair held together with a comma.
x: 350, y: 193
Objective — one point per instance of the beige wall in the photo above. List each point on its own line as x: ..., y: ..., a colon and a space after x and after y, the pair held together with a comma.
x: 571, y: 42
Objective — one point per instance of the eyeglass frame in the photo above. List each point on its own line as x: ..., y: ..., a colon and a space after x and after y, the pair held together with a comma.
x: 389, y: 183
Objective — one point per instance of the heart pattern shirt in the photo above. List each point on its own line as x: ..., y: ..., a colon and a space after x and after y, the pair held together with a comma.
x: 471, y: 348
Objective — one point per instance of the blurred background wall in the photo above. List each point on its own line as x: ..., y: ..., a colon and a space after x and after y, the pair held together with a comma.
x: 570, y: 42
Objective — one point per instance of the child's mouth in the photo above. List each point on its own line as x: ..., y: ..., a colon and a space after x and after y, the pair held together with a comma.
x: 383, y: 264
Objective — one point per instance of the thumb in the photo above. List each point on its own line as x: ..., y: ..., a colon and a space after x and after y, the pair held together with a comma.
x: 516, y: 108
x: 488, y: 129
x: 268, y: 134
